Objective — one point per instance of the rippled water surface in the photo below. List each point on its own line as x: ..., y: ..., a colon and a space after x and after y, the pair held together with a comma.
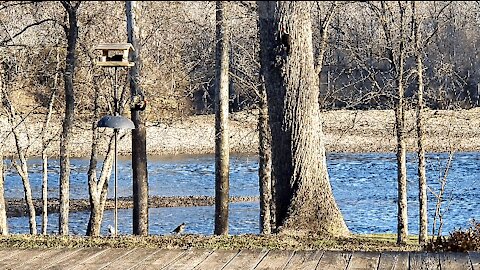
x: 364, y: 186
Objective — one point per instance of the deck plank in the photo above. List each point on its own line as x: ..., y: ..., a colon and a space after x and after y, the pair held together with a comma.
x: 190, y: 259
x: 67, y: 252
x: 133, y: 258
x: 76, y: 258
x: 103, y: 259
x: 42, y: 259
x: 7, y: 253
x: 304, y: 259
x: 424, y: 260
x: 474, y: 260
x: 393, y: 261
x: 21, y: 257
x: 147, y: 258
x: 217, y: 260
x: 363, y: 260
x: 160, y: 259
x: 275, y: 259
x: 454, y: 260
x: 246, y: 259
x: 334, y: 260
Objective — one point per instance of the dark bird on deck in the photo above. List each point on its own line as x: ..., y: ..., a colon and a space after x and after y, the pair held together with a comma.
x: 179, y: 229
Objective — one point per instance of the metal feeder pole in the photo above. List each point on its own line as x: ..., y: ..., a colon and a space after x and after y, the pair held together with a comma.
x: 115, y: 160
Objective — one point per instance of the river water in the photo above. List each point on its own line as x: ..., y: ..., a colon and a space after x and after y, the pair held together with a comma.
x: 364, y: 186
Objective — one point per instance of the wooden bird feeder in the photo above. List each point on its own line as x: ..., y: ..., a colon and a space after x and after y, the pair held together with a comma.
x: 114, y: 55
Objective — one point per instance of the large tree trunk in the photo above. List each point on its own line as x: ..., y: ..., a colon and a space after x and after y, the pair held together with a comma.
x: 3, y: 212
x: 422, y: 178
x: 71, y: 32
x: 222, y: 155
x: 139, y: 134
x: 304, y: 198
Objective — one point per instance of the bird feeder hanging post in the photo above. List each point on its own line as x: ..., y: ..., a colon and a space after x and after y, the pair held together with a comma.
x: 115, y: 131
x: 117, y: 121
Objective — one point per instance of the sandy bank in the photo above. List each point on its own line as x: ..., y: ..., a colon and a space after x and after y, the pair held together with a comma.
x: 345, y: 131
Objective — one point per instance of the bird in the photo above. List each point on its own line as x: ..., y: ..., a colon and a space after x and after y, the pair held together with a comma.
x: 111, y: 230
x: 179, y: 229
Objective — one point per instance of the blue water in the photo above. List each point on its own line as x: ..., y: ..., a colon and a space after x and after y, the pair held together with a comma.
x: 364, y: 186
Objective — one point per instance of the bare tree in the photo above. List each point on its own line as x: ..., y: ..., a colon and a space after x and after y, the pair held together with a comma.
x: 222, y: 151
x: 393, y: 20
x: 422, y: 178
x: 45, y: 143
x: 21, y: 168
x: 304, y: 200
x: 139, y: 134
x: 71, y: 32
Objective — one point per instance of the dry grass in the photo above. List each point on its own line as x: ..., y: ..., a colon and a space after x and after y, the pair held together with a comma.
x: 354, y: 243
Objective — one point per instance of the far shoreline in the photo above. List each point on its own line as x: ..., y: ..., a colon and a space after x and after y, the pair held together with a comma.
x: 345, y: 131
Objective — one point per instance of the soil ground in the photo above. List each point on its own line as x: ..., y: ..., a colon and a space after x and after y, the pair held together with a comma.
x: 345, y: 131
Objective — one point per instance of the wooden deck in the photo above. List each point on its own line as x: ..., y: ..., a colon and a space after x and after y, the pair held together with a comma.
x: 143, y: 258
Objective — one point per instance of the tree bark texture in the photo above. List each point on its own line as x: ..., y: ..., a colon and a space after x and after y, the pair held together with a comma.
x: 264, y: 163
x: 422, y: 177
x: 222, y: 155
x: 71, y: 32
x: 139, y: 134
x: 304, y: 198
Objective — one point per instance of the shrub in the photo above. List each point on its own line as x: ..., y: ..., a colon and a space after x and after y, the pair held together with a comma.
x: 458, y: 240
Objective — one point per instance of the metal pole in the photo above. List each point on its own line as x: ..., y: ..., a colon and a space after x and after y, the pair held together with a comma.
x: 115, y: 189
x: 115, y: 161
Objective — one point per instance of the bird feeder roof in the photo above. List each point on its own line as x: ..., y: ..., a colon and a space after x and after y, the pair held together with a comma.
x: 115, y: 46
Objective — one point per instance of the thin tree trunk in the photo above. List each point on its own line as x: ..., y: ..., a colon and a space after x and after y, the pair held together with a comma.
x: 23, y: 171
x: 324, y: 37
x: 71, y: 32
x: 3, y: 212
x: 98, y: 188
x: 402, y: 218
x: 45, y: 144
x: 264, y: 163
x: 139, y: 134
x: 21, y: 168
x: 422, y: 178
x: 304, y: 198
x: 222, y: 155
x: 45, y: 166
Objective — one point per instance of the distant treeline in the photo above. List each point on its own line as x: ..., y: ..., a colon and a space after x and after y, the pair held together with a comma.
x: 178, y: 44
